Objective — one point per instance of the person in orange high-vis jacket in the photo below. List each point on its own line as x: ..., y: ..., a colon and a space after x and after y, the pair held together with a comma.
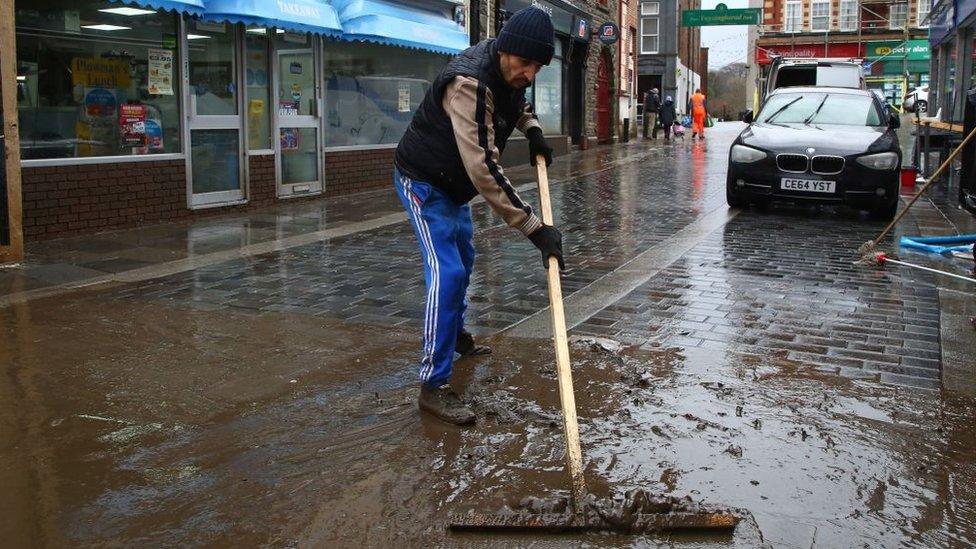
x: 697, y: 107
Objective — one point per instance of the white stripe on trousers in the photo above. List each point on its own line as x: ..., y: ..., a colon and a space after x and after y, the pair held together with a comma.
x: 430, y: 316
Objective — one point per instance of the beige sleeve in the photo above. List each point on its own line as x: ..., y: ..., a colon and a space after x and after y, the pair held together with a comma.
x: 528, y: 120
x: 469, y: 104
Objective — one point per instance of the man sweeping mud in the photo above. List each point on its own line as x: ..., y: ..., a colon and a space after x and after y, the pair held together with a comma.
x: 448, y: 155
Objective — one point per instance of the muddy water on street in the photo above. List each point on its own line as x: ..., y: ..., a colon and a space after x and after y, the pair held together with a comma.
x: 129, y: 423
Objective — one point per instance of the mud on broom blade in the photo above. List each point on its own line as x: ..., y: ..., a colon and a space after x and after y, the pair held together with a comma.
x: 638, y: 512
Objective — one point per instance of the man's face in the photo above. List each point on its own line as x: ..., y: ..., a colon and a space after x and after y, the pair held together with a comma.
x: 519, y: 72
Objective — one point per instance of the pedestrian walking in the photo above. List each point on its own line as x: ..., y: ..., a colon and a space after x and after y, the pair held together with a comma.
x: 667, y: 115
x: 697, y: 106
x: 447, y: 156
x: 652, y: 103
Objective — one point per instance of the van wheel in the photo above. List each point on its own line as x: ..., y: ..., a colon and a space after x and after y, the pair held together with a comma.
x: 922, y: 107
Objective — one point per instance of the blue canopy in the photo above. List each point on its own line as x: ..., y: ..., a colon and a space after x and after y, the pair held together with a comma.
x: 313, y: 16
x: 193, y: 7
x: 383, y: 22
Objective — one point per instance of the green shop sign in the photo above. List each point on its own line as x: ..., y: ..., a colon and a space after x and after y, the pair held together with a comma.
x: 721, y: 15
x: 894, y: 50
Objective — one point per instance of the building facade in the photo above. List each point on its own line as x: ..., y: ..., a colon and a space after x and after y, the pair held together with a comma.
x: 574, y: 95
x: 161, y: 110
x: 627, y: 97
x: 890, y: 37
x: 150, y: 111
x: 752, y: 92
x: 669, y: 55
x: 953, y: 42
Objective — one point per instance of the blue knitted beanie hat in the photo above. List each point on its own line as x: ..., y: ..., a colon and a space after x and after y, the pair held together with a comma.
x: 528, y: 34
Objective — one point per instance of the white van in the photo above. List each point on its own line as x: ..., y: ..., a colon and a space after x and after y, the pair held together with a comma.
x: 838, y: 73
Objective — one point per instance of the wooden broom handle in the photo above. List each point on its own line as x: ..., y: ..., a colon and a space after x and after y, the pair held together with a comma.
x: 567, y: 399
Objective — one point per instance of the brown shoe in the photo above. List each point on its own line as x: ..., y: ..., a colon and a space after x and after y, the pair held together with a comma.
x: 466, y: 346
x: 445, y: 404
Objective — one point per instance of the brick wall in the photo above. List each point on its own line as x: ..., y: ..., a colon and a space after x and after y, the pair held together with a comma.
x: 73, y: 200
x: 263, y: 180
x: 69, y: 200
x: 348, y: 172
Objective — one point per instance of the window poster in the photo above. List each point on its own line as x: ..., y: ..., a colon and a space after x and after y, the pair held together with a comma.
x: 100, y: 73
x: 290, y: 140
x: 160, y: 72
x: 132, y: 125
x: 404, y: 98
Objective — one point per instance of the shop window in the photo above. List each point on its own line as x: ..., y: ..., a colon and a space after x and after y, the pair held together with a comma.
x: 924, y: 6
x: 820, y: 15
x: 257, y: 78
x: 94, y: 80
x: 372, y: 91
x: 849, y: 15
x: 650, y: 27
x: 898, y: 15
x: 793, y: 20
x: 949, y: 80
x: 546, y: 93
x: 212, y: 54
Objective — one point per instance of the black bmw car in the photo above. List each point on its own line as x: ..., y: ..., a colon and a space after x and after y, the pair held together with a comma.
x: 817, y: 143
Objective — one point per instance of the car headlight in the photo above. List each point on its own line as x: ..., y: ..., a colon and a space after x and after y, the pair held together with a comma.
x: 746, y: 155
x: 880, y: 161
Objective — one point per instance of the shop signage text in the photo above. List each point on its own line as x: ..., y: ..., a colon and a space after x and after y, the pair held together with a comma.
x: 765, y: 54
x: 892, y: 50
x: 305, y: 11
x: 562, y: 20
x: 721, y: 15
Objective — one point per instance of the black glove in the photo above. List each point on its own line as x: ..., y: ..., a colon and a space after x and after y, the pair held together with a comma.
x: 550, y: 241
x: 538, y: 145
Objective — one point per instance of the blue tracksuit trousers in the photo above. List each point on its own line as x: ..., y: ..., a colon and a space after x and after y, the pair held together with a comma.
x: 445, y: 234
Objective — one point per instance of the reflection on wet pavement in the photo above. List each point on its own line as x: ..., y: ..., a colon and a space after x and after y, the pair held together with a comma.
x: 270, y: 399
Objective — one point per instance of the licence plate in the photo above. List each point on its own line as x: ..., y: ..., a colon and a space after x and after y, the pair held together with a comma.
x: 807, y: 185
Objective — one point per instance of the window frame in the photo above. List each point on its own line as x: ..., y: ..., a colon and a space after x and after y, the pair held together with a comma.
x: 855, y: 22
x: 656, y: 35
x: 920, y: 17
x: 793, y: 24
x: 891, y: 18
x: 813, y: 5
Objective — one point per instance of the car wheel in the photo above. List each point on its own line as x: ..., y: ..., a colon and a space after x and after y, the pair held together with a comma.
x: 922, y: 107
x: 884, y: 212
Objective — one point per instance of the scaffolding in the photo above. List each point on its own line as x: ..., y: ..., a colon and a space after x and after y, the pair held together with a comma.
x: 870, y: 26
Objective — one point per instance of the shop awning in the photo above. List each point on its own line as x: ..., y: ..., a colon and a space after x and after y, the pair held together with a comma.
x: 383, y: 22
x: 193, y: 7
x: 313, y: 16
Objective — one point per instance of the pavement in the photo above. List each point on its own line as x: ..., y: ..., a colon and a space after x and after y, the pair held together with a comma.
x: 249, y: 378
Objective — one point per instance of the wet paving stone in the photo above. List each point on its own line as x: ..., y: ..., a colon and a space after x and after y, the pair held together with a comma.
x: 767, y: 282
x: 607, y: 218
x: 797, y: 293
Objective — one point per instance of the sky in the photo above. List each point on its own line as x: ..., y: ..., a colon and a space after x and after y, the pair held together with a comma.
x: 726, y: 44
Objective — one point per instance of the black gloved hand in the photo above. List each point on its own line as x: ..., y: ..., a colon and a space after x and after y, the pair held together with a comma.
x: 538, y: 145
x: 550, y: 241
